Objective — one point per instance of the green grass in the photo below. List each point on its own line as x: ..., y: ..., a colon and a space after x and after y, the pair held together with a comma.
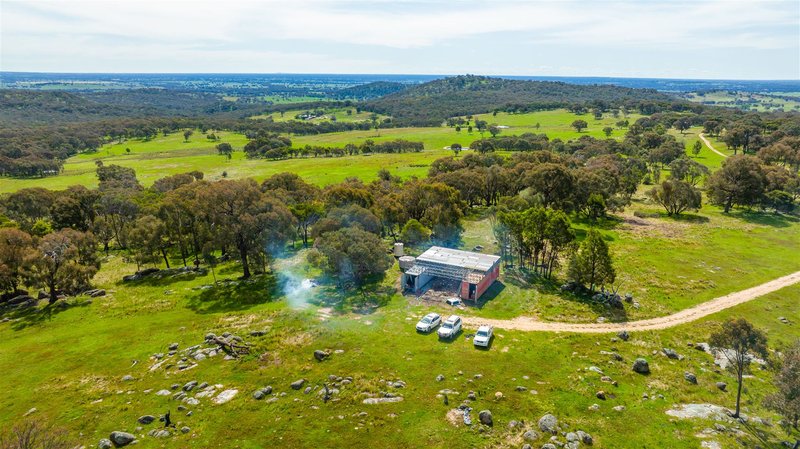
x: 166, y: 155
x: 706, y: 157
x: 749, y: 101
x: 69, y: 366
x: 340, y: 114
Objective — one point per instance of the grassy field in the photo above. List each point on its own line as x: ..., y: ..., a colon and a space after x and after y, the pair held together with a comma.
x: 340, y: 114
x: 69, y: 363
x: 166, y: 155
x: 748, y: 100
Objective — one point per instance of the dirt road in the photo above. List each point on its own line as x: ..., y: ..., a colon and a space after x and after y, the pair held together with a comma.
x: 710, y: 147
x: 684, y: 316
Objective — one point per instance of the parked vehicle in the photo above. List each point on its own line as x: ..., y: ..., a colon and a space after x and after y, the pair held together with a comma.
x: 483, y: 337
x: 455, y: 302
x: 450, y: 328
x: 429, y: 322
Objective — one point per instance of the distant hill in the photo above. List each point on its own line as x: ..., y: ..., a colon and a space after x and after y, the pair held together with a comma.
x: 20, y: 106
x: 370, y: 90
x: 431, y: 103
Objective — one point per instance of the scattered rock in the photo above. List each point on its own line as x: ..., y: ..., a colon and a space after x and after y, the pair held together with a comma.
x: 225, y: 396
x: 440, y: 377
x: 121, y: 438
x: 530, y: 435
x: 601, y: 395
x: 31, y: 411
x: 258, y: 395
x: 671, y: 354
x: 596, y: 370
x: 321, y: 355
x: 641, y: 366
x: 594, y: 407
x: 163, y: 433
x: 146, y: 419
x: 485, y: 417
x: 722, y: 386
x: 548, y: 423
x: 623, y: 335
x: 127, y: 378
x: 520, y: 388
x: 704, y: 411
x: 105, y: 443
x: 173, y: 346
x: 298, y: 384
x: 691, y: 378
x: 549, y: 446
x: 163, y: 393
x: 258, y: 333
x: 373, y: 401
x: 190, y: 385
x: 185, y: 429
x: 307, y: 390
x: 618, y: 408
x: 585, y: 438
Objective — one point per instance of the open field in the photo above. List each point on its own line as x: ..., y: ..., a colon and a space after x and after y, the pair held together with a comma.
x: 74, y: 377
x: 340, y: 114
x: 761, y: 102
x: 166, y: 155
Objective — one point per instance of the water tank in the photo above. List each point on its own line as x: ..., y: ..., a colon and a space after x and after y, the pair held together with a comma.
x: 406, y: 262
x: 398, y: 250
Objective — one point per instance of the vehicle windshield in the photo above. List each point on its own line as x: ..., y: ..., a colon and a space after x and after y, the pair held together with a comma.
x: 426, y: 320
x: 482, y: 334
x: 447, y: 325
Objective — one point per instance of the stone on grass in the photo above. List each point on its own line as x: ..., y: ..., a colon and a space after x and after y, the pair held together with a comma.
x: 691, y: 378
x: 671, y: 354
x: 485, y: 417
x: 173, y: 346
x: 121, y: 438
x: 530, y: 435
x: 185, y: 429
x: 105, y: 443
x: 258, y: 395
x: 440, y: 377
x: 722, y: 386
x: 225, y: 396
x: 190, y: 386
x: 641, y: 366
x: 548, y: 423
x: 127, y: 378
x: 623, y: 335
x: 321, y: 355
x: 298, y: 384
x: 146, y: 419
x: 585, y: 438
x: 549, y: 446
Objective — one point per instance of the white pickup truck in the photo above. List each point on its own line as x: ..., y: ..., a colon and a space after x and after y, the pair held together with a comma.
x: 483, y: 336
x: 450, y: 328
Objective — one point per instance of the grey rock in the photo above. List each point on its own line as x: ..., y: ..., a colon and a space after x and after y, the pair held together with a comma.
x: 527, y: 446
x: 485, y: 417
x: 321, y: 355
x: 174, y: 386
x: 641, y: 366
x: 202, y: 386
x: 173, y: 346
x: 623, y: 335
x: 596, y: 370
x: 671, y: 354
x: 691, y: 378
x: 585, y: 438
x: 185, y: 429
x: 159, y: 433
x: 722, y: 386
x: 601, y: 395
x: 571, y: 436
x: 121, y: 438
x: 258, y: 395
x: 146, y: 419
x: 530, y: 435
x: 548, y: 423
x: 549, y: 446
x: 127, y: 378
x: 190, y: 385
x: 105, y: 443
x: 440, y: 377
x: 257, y: 333
x: 298, y: 384
x: 307, y: 390
x: 520, y: 388
x: 97, y: 293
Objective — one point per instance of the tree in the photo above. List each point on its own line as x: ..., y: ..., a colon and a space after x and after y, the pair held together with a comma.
x: 682, y: 124
x: 608, y: 130
x: 494, y: 130
x: 14, y: 245
x: 697, y: 148
x: 592, y: 265
x: 740, y: 181
x: 414, y: 233
x: 186, y: 134
x: 786, y: 400
x: 64, y: 261
x: 117, y: 177
x: 739, y: 342
x: 554, y: 182
x: 676, y: 196
x: 353, y: 254
x: 148, y: 240
x: 307, y: 213
x: 579, y: 125
x: 685, y: 169
x: 456, y: 148
x: 225, y: 149
x: 596, y: 206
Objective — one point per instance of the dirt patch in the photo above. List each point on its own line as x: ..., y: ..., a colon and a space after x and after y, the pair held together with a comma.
x: 455, y: 417
x: 244, y: 321
x: 647, y: 227
x: 297, y: 339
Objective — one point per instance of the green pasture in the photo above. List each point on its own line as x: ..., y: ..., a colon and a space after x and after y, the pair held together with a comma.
x: 340, y: 113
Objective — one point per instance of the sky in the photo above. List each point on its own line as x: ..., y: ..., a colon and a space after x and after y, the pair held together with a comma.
x: 721, y: 39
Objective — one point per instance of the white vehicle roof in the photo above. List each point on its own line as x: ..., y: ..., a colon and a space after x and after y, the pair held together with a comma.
x: 452, y: 319
x: 431, y: 315
x: 486, y: 328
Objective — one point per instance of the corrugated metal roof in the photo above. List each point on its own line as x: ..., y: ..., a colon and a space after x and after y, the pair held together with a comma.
x: 458, y: 258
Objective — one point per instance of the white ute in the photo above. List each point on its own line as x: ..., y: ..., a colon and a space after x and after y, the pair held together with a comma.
x: 429, y: 322
x: 483, y: 337
x: 450, y: 328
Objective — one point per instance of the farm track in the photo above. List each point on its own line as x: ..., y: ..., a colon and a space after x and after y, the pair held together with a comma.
x: 711, y: 147
x: 529, y: 324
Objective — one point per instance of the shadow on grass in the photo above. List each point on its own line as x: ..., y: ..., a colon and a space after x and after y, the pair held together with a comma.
x: 163, y: 278
x: 31, y: 316
x: 229, y: 296
x: 764, y: 218
x: 364, y: 299
x: 524, y: 278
